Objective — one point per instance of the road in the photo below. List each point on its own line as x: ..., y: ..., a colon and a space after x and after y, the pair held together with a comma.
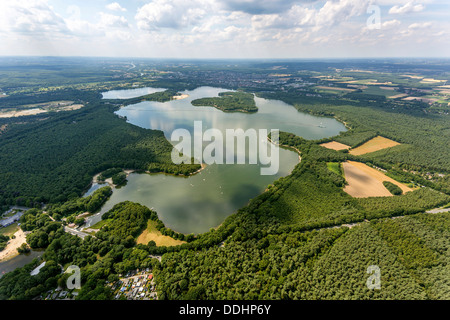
x: 439, y: 210
x: 75, y: 232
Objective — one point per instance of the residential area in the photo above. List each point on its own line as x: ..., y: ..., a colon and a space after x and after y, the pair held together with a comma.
x: 135, y: 285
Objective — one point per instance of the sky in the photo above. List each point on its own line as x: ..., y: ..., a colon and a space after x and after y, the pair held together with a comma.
x: 226, y: 28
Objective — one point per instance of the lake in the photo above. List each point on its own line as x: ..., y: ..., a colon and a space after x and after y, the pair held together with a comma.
x: 197, y: 203
x: 19, y: 261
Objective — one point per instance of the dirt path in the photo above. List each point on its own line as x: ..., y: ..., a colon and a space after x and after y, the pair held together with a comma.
x: 439, y: 210
x: 11, y: 249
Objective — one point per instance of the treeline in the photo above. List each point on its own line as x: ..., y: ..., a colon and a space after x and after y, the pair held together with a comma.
x: 117, y: 219
x: 18, y: 101
x: 20, y: 285
x: 229, y: 102
x: 117, y: 176
x: 126, y: 221
x: 77, y: 206
x: 3, y: 241
x: 408, y: 203
x: 162, y: 96
x: 393, y: 188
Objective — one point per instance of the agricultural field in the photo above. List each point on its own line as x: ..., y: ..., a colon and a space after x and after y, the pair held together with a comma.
x: 336, y: 90
x: 364, y: 181
x: 334, y: 145
x: 375, y: 144
x: 387, y: 92
x: 153, y: 234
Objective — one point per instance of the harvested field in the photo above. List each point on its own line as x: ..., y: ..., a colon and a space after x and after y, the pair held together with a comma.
x: 71, y: 107
x: 151, y: 233
x: 364, y: 181
x: 412, y: 77
x: 12, y: 114
x: 375, y: 144
x: 335, y: 145
x: 431, y: 80
x: 389, y: 88
x: 400, y: 95
x: 335, y: 88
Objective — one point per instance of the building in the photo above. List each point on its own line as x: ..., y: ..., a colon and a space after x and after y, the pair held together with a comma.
x: 10, y: 220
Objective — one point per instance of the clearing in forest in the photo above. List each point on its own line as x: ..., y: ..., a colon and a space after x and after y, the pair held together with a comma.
x: 151, y: 233
x: 364, y: 181
x: 375, y: 144
x: 335, y: 145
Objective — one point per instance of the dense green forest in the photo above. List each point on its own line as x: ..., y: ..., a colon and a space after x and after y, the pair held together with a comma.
x: 76, y: 206
x: 3, y: 241
x: 229, y: 102
x: 157, y: 96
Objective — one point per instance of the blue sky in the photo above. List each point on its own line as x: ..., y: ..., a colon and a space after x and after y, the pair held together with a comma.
x: 226, y: 28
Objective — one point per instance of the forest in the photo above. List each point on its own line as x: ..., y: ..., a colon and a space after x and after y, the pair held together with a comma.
x: 57, y: 162
x: 230, y: 102
x: 157, y: 96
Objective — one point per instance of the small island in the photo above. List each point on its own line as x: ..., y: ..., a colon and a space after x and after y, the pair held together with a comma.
x: 229, y: 102
x: 162, y: 96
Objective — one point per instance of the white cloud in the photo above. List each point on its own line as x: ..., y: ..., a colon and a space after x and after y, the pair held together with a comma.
x: 422, y: 25
x: 115, y: 7
x: 172, y: 14
x: 221, y: 28
x: 33, y: 17
x: 330, y: 14
x: 335, y: 12
x: 111, y: 21
x: 409, y: 7
x: 390, y: 24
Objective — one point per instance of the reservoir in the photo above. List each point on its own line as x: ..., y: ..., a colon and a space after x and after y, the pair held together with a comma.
x: 202, y: 201
x: 19, y: 261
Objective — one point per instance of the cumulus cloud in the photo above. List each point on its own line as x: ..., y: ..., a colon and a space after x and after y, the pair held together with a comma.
x: 111, y: 21
x: 409, y: 7
x: 390, y: 24
x: 172, y: 14
x: 422, y: 25
x: 335, y: 12
x: 330, y: 14
x: 115, y: 7
x: 30, y: 17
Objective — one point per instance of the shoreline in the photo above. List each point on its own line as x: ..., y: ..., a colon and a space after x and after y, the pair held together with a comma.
x: 286, y: 146
x: 11, y: 248
x: 180, y: 97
